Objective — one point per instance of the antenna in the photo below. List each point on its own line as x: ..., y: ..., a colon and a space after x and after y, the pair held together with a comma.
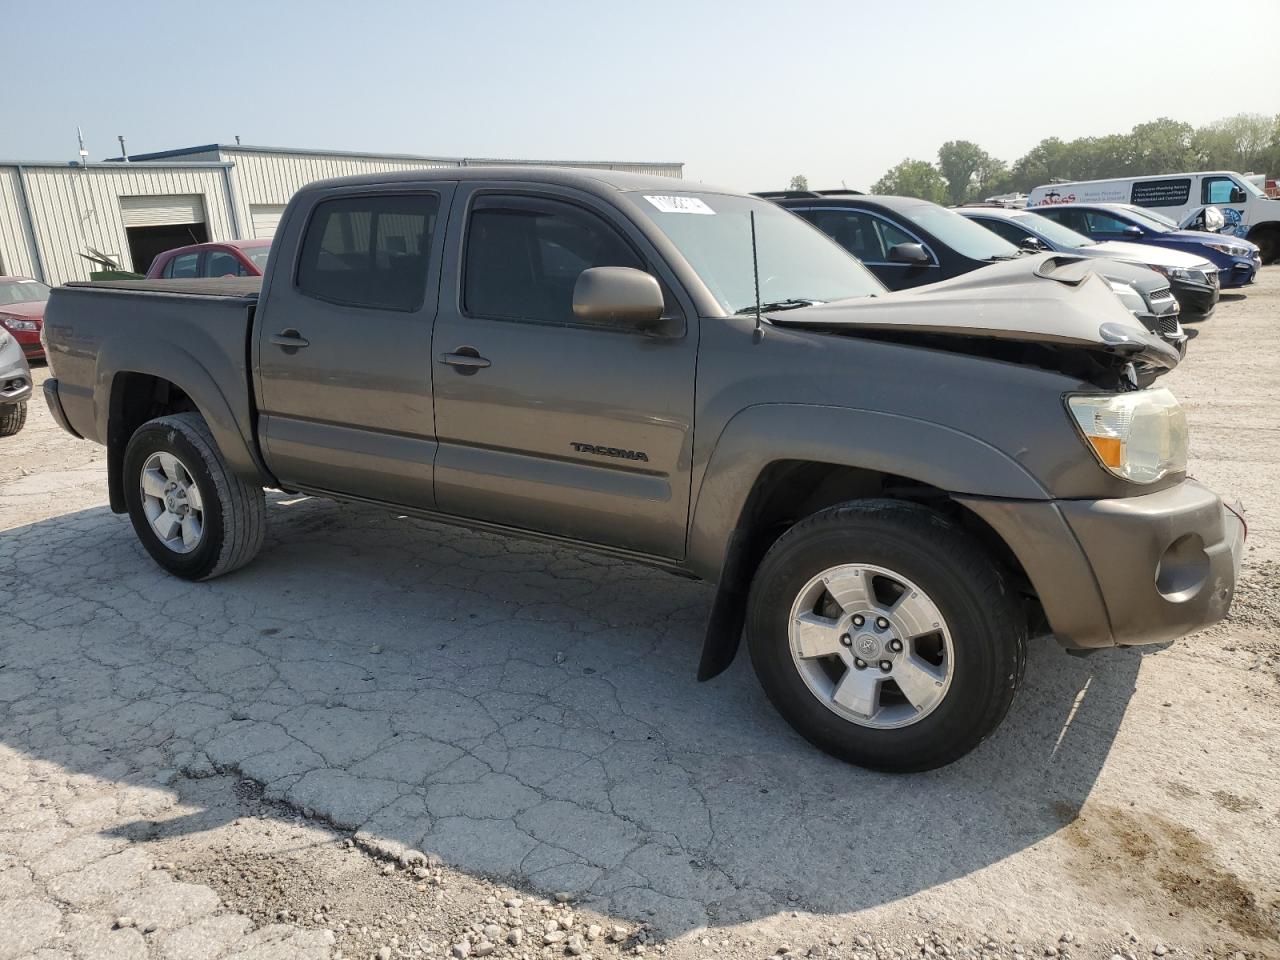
x: 755, y: 272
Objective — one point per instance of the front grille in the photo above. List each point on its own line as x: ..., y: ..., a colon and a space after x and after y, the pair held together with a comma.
x: 1167, y: 325
x: 1159, y: 296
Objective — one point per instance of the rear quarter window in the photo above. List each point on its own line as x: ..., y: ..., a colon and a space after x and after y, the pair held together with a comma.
x: 369, y: 251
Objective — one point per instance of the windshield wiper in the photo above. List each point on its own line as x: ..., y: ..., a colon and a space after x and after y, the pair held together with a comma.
x: 791, y: 303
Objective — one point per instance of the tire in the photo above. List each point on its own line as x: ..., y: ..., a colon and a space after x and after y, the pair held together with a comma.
x: 13, y: 417
x: 231, y: 513
x: 965, y: 673
x: 1268, y: 242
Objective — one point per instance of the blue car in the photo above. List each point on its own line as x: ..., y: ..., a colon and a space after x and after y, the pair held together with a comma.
x: 1237, y: 260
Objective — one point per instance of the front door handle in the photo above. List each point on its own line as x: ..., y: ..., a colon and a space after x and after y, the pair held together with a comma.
x: 465, y: 360
x: 290, y: 340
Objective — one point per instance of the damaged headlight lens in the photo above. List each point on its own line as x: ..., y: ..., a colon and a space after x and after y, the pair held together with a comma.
x: 1129, y: 296
x: 1139, y: 436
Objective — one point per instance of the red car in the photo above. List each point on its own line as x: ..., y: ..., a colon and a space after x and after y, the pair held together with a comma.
x: 230, y: 258
x: 22, y: 303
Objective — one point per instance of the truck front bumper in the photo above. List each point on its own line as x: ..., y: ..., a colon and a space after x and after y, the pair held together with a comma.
x: 1122, y: 572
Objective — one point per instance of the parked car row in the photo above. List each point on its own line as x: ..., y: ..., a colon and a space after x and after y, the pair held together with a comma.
x: 892, y: 492
x: 909, y: 243
x: 1179, y: 199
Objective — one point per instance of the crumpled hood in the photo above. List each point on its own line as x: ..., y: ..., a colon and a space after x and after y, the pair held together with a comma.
x: 1053, y: 299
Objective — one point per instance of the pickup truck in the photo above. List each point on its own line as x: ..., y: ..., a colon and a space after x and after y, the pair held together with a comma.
x: 891, y: 491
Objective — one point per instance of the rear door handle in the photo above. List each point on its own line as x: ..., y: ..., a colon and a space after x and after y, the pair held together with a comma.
x: 290, y: 339
x: 465, y: 359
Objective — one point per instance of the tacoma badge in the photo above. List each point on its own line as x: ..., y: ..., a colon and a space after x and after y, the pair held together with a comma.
x: 610, y: 451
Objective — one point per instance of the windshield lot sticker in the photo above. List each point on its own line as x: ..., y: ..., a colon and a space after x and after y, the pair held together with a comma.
x: 680, y: 205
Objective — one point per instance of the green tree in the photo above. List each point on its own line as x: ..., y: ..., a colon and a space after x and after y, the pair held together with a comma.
x: 1245, y: 142
x: 990, y: 178
x: 1046, y: 161
x: 799, y: 182
x: 913, y: 178
x: 960, y: 162
x: 1161, y: 146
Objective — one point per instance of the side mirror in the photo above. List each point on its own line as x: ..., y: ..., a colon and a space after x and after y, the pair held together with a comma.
x: 1132, y: 231
x: 908, y: 253
x: 1237, y: 195
x: 619, y: 296
x: 1034, y: 244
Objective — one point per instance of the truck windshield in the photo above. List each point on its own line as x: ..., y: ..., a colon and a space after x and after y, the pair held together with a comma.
x: 961, y: 234
x: 797, y: 261
x: 1053, y: 231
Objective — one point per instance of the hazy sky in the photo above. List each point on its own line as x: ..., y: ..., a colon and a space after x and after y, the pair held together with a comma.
x: 747, y: 94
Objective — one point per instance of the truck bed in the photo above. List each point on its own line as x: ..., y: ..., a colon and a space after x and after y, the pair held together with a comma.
x: 239, y: 287
x: 194, y: 332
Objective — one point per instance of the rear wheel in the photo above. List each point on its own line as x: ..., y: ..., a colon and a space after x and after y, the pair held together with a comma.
x: 886, y: 635
x: 13, y: 417
x: 195, y: 517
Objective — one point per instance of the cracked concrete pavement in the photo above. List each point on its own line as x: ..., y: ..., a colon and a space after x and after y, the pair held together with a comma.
x: 528, y: 714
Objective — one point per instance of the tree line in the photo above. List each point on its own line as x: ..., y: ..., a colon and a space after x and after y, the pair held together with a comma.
x: 1247, y: 143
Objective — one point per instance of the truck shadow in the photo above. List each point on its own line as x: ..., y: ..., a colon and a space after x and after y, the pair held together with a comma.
x: 519, y: 709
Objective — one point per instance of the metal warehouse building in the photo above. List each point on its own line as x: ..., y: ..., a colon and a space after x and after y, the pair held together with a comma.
x: 54, y: 215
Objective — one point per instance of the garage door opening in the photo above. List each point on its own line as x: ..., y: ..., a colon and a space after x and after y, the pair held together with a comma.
x: 156, y: 224
x: 147, y: 243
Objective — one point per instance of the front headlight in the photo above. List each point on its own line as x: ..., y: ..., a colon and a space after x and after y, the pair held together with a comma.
x: 1130, y: 297
x: 17, y: 323
x: 1173, y: 273
x: 1139, y: 436
x: 1231, y: 250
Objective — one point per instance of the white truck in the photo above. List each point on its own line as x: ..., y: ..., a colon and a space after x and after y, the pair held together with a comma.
x: 1248, y: 211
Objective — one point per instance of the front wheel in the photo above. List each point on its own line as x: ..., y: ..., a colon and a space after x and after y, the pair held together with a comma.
x: 885, y: 635
x: 13, y: 417
x: 1268, y: 242
x: 195, y: 517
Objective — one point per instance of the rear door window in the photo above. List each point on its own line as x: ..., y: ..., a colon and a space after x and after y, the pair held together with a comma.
x: 370, y: 251
x: 1067, y: 217
x: 219, y: 263
x: 184, y: 265
x: 524, y: 255
x: 1100, y: 222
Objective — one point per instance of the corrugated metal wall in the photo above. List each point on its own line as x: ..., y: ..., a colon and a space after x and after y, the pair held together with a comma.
x: 75, y: 208
x: 16, y: 255
x: 272, y: 177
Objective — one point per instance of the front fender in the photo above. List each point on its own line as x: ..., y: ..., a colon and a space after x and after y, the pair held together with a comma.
x: 721, y: 545
x: 872, y: 440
